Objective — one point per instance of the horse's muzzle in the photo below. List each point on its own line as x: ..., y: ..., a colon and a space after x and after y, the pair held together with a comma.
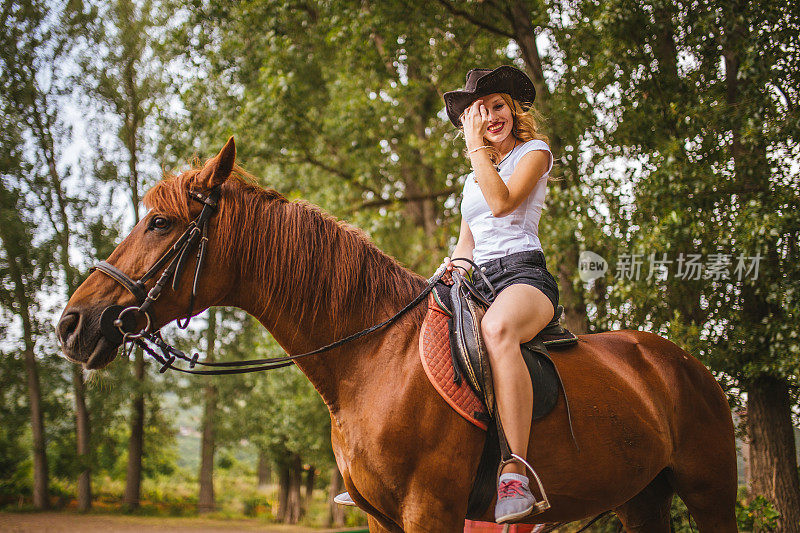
x: 81, y: 338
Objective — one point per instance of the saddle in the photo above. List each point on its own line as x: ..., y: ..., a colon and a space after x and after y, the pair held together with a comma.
x: 471, y: 360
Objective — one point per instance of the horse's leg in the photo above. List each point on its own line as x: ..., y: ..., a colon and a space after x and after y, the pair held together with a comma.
x: 434, y: 521
x: 708, y: 488
x: 703, y: 466
x: 419, y: 524
x: 428, y: 509
x: 648, y: 511
x: 376, y: 527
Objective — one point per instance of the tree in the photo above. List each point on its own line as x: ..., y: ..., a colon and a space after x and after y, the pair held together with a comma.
x: 21, y: 274
x: 278, y: 412
x: 205, y: 500
x: 344, y: 115
x: 521, y: 23
x: 40, y: 46
x: 125, y: 77
x: 713, y: 182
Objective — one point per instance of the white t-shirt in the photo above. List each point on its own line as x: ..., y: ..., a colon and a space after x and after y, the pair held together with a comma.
x: 519, y: 230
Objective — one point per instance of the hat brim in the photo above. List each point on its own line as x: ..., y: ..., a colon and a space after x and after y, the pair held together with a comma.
x: 504, y: 79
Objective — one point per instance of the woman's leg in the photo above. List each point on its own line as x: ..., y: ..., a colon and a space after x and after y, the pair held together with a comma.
x: 517, y: 315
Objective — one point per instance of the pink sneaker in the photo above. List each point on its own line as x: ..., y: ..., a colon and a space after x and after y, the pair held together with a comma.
x: 515, y: 500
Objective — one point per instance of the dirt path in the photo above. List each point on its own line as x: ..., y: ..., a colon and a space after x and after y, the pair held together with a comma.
x: 77, y: 523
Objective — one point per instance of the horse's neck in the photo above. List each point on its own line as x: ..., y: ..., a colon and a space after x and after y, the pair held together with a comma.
x: 337, y: 374
x: 332, y: 373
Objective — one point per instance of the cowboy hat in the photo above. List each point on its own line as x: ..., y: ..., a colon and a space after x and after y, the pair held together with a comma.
x: 483, y: 81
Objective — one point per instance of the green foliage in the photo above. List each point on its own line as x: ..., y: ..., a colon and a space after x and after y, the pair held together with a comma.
x: 758, y: 515
x: 14, y: 465
x: 278, y: 411
x: 337, y: 103
x: 108, y: 393
x: 709, y: 178
x: 665, y: 148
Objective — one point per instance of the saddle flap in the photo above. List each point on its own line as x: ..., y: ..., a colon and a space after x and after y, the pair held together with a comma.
x: 470, y: 350
x: 479, y: 355
x: 470, y: 355
x: 544, y: 377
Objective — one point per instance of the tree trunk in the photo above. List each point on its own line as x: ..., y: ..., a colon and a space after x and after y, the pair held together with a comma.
x: 574, y: 304
x: 335, y: 511
x: 40, y: 478
x: 773, y: 454
x: 205, y: 501
x: 522, y: 27
x: 264, y: 470
x: 133, y: 480
x: 284, y: 480
x: 773, y: 458
x: 135, y: 446
x: 294, y: 503
x: 518, y: 17
x: 311, y: 475
x: 42, y: 127
x: 82, y: 434
x: 601, y: 304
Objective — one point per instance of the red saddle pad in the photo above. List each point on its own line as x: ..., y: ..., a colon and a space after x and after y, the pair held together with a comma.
x: 434, y: 350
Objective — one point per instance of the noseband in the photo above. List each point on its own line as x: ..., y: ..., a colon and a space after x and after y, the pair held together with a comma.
x: 118, y: 324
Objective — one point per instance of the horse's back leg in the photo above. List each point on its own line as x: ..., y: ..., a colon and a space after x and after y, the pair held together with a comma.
x: 709, y: 492
x: 648, y: 511
x: 703, y: 469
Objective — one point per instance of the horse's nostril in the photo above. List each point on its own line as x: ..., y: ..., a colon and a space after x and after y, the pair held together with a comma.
x: 66, y: 326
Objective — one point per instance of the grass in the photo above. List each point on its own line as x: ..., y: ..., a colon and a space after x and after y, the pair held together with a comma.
x: 237, y: 498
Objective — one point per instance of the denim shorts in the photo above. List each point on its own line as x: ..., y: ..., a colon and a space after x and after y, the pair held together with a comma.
x: 528, y: 268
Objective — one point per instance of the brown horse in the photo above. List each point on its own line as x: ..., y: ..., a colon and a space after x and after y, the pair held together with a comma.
x: 649, y: 419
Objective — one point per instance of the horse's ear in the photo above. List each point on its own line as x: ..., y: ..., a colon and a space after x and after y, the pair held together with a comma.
x: 218, y: 169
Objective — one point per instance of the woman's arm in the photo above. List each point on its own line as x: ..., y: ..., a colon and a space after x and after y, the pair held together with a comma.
x: 464, y: 247
x: 504, y: 198
x: 466, y: 242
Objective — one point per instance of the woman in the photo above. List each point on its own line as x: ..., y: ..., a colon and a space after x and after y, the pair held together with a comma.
x: 501, y: 208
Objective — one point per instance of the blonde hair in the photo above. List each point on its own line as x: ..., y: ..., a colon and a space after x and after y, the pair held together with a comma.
x: 526, y: 125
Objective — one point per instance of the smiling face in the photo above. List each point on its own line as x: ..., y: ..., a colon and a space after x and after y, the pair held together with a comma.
x: 501, y: 119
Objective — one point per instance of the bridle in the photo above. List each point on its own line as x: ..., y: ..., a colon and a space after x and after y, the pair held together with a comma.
x: 118, y: 323
x: 123, y: 320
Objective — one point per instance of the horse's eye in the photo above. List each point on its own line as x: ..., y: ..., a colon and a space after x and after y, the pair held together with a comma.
x: 160, y: 223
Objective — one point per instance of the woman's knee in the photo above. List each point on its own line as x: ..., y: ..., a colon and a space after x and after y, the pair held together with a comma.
x: 495, y: 329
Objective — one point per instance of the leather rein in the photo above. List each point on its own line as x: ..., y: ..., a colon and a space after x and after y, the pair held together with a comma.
x: 118, y: 323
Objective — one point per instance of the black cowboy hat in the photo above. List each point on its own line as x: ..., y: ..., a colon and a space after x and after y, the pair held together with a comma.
x: 483, y: 81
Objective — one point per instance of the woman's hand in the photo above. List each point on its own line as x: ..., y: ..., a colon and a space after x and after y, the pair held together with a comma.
x: 447, y: 264
x: 475, y: 120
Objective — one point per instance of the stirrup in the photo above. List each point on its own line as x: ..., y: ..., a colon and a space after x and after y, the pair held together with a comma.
x: 540, y: 506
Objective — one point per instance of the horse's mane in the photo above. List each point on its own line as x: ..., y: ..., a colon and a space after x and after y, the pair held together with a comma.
x: 309, y: 261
